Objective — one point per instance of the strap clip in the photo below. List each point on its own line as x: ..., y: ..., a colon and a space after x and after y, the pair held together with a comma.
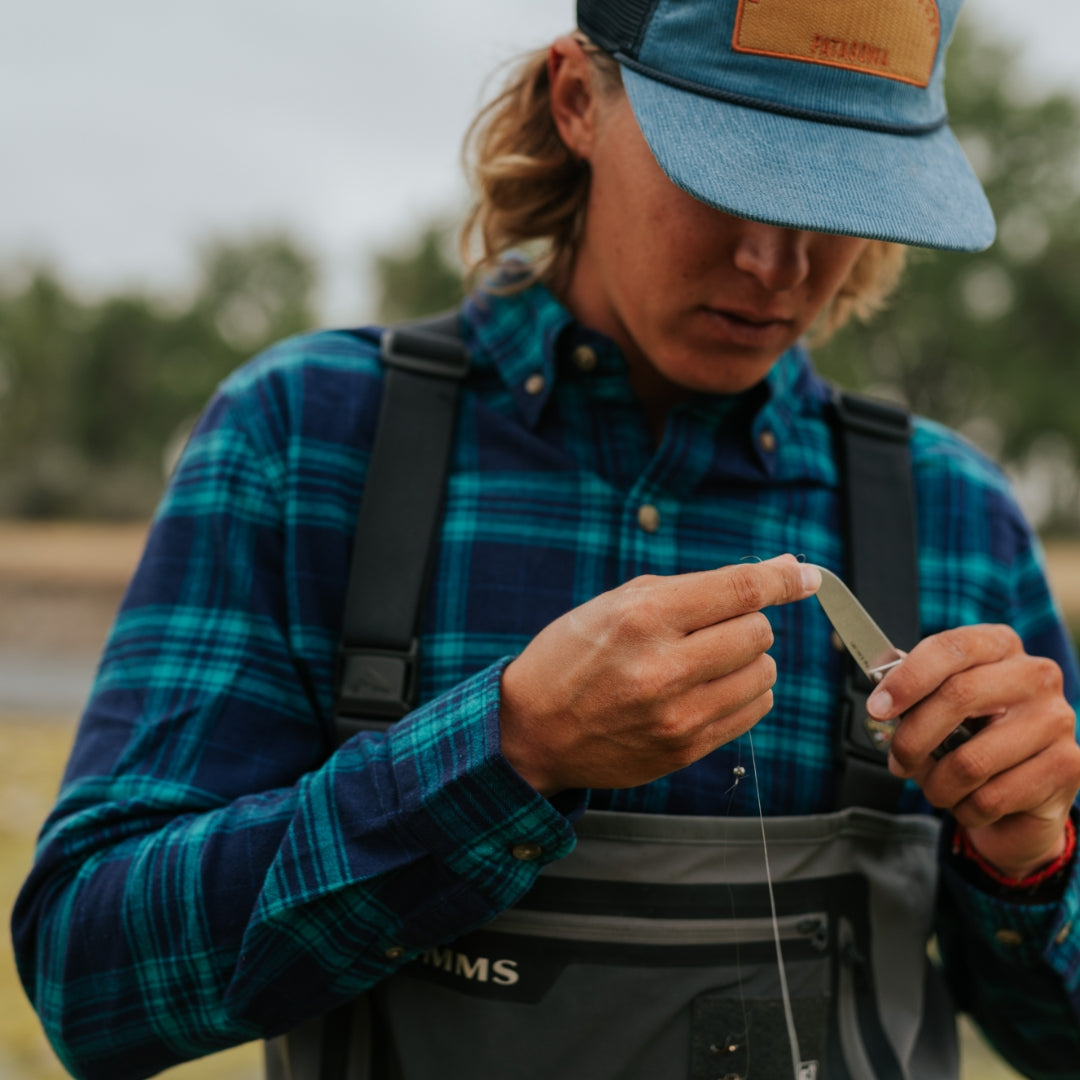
x: 863, y: 736
x: 424, y: 353
x: 873, y: 418
x: 375, y: 687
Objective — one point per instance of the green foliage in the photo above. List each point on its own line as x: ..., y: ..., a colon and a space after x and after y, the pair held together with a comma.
x: 420, y: 281
x: 92, y: 392
x: 987, y: 342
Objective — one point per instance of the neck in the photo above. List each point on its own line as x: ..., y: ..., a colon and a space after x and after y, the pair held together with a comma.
x: 587, y: 302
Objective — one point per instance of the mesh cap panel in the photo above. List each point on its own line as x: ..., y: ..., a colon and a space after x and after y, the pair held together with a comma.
x: 616, y: 25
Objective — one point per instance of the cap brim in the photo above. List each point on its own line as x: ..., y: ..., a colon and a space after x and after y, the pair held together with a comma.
x: 804, y: 174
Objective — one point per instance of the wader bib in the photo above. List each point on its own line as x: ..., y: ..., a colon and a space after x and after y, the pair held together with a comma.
x: 649, y: 952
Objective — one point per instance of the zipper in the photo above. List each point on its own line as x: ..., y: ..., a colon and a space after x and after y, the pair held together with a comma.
x: 810, y: 927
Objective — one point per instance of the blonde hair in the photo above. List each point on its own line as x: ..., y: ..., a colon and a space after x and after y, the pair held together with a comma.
x: 532, y: 192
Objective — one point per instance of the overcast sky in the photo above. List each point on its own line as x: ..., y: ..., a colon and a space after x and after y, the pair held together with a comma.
x: 129, y: 129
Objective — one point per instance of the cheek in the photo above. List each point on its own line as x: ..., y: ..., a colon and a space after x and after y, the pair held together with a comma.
x: 835, y: 263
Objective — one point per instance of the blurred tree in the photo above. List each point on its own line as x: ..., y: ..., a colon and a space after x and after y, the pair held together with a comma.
x: 988, y: 343
x: 421, y: 280
x: 92, y: 392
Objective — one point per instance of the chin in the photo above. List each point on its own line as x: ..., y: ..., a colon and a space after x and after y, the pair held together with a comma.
x: 718, y: 376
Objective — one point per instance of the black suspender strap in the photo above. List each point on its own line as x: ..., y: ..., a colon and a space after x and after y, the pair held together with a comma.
x: 398, y: 520
x: 879, y: 510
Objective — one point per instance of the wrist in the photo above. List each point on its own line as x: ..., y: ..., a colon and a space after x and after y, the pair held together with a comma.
x: 520, y: 750
x: 1036, y: 877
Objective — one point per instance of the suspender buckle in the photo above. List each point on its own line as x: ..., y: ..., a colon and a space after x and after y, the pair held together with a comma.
x: 424, y: 353
x: 375, y: 687
x: 863, y: 736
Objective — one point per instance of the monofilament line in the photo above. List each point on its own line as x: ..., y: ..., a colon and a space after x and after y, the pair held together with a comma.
x: 789, y: 1016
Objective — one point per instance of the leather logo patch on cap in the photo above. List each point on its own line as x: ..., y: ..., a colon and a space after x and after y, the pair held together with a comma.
x: 897, y: 39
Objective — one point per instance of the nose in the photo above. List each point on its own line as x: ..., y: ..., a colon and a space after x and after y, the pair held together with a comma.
x: 778, y: 258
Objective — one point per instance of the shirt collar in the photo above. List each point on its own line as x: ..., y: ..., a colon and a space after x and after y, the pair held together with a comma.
x: 518, y: 334
x: 522, y: 335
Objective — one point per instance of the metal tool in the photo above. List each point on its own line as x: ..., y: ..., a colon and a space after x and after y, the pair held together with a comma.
x: 876, y: 655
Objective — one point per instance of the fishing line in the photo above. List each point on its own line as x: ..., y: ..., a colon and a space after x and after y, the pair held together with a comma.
x: 789, y: 1016
x: 730, y: 1044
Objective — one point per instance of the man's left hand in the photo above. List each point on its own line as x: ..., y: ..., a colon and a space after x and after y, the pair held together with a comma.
x: 1012, y: 784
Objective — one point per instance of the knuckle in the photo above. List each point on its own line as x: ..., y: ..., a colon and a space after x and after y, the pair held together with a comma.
x: 965, y: 815
x: 768, y: 672
x: 1006, y: 638
x: 1047, y: 675
x: 969, y: 764
x: 637, y: 613
x: 986, y: 803
x: 957, y: 692
x: 902, y: 749
x: 670, y: 728
x: 762, y: 635
x: 935, y: 795
x: 748, y: 588
x: 645, y: 683
x: 955, y: 643
x: 764, y: 705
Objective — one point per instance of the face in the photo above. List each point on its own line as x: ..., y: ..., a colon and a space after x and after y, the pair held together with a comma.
x: 697, y: 299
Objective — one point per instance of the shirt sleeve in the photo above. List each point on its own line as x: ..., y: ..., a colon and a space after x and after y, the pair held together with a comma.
x: 209, y: 875
x: 1021, y: 972
x: 1015, y: 967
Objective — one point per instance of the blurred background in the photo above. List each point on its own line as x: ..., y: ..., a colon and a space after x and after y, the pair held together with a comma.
x: 184, y: 184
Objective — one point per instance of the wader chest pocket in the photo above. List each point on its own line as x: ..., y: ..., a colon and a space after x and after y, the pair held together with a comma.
x: 632, y: 980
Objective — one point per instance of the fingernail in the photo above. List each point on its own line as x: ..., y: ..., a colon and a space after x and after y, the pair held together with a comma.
x: 811, y: 577
x: 880, y: 704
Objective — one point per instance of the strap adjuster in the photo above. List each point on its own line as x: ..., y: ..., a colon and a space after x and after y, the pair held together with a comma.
x: 874, y: 418
x: 424, y: 353
x: 376, y: 684
x: 863, y: 736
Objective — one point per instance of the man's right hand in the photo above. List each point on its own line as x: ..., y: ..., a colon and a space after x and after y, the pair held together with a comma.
x: 648, y: 678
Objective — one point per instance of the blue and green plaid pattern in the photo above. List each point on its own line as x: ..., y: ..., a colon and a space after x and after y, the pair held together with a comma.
x: 210, y: 875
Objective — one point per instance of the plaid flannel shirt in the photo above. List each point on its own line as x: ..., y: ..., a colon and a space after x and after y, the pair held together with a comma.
x: 209, y: 875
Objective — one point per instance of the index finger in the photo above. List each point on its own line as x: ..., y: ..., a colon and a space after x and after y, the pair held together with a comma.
x: 713, y: 596
x: 934, y: 660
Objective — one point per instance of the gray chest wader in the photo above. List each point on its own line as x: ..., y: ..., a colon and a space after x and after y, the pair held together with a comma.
x: 649, y: 953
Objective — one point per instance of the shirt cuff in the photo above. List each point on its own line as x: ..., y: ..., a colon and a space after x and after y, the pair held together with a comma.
x: 464, y: 802
x: 1026, y: 933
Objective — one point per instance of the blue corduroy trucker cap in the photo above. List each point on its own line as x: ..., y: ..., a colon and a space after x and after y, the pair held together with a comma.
x: 826, y: 115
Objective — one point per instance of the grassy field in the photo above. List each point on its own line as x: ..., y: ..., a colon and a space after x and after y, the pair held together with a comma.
x: 59, y: 587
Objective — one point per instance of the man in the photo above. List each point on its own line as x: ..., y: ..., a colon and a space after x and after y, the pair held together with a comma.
x: 710, y: 178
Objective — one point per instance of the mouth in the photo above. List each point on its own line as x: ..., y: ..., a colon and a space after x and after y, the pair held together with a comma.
x: 750, y: 328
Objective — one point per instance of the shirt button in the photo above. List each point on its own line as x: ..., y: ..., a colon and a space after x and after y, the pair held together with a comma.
x: 395, y: 952
x: 649, y: 518
x: 1012, y: 938
x: 535, y: 384
x: 585, y: 358
x: 767, y: 442
x: 1063, y: 936
x: 527, y: 852
x: 838, y: 642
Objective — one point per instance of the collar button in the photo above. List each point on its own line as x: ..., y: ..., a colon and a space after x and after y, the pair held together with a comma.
x: 585, y: 358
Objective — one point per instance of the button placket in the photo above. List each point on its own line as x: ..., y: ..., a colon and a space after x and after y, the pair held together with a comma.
x: 648, y: 518
x: 585, y: 358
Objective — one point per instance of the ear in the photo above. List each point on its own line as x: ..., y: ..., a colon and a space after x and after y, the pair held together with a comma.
x: 573, y: 98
